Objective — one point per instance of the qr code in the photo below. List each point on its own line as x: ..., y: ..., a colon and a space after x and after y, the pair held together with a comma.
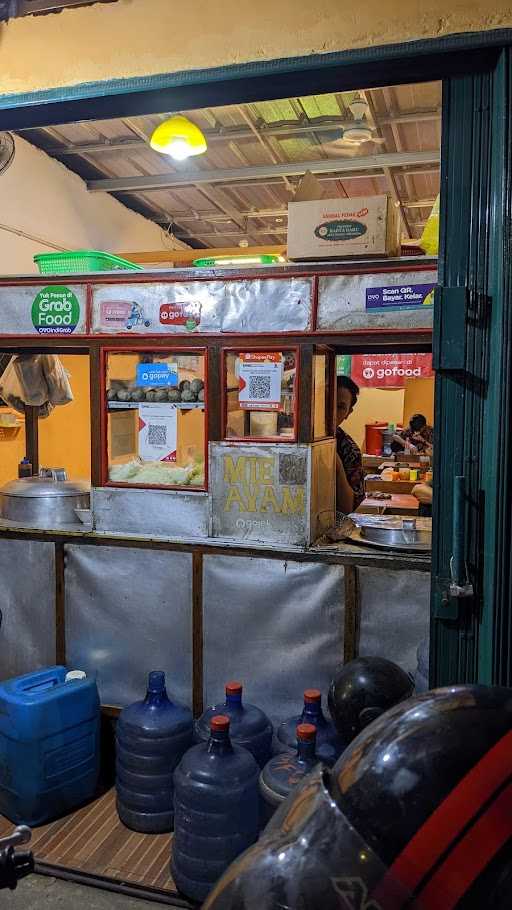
x: 157, y: 434
x: 259, y: 387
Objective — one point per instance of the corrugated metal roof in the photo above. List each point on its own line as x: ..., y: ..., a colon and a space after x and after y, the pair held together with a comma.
x: 305, y: 129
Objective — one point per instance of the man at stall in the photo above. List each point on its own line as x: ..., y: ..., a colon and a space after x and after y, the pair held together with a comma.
x: 417, y: 437
x: 349, y: 461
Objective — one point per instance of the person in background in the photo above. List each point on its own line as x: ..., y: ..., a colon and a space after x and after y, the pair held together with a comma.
x: 423, y: 493
x: 349, y: 461
x: 417, y: 437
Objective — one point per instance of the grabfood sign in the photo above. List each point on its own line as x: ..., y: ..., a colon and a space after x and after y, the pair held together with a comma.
x: 55, y: 311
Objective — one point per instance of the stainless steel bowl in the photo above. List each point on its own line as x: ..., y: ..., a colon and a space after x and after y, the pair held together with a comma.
x: 44, y: 502
x: 410, y: 533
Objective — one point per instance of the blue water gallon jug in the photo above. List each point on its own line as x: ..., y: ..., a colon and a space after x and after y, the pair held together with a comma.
x: 151, y: 737
x: 216, y: 810
x: 283, y: 772
x: 329, y: 746
x: 49, y: 744
x: 250, y: 727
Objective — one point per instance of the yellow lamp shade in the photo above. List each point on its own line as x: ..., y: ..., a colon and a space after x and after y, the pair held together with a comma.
x: 179, y: 138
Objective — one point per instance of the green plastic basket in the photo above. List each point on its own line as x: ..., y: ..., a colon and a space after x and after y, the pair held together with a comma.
x: 82, y: 261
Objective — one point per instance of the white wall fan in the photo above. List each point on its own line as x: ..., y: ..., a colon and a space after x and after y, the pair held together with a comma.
x: 7, y: 151
x: 359, y: 136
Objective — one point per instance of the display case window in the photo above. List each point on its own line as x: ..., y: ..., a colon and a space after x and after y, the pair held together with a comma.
x: 156, y: 426
x: 323, y: 394
x: 260, y: 398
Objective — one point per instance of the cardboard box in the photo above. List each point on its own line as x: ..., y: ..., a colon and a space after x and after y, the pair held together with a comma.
x: 363, y: 226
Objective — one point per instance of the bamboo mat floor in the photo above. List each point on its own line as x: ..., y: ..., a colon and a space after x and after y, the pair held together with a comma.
x: 94, y: 841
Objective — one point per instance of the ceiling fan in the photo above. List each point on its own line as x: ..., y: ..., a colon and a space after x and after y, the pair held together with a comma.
x: 359, y: 133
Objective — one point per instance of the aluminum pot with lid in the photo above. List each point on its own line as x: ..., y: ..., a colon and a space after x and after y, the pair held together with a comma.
x: 47, y: 501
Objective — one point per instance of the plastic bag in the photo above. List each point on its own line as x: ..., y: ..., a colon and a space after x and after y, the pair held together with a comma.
x: 59, y: 389
x: 429, y: 241
x: 35, y: 380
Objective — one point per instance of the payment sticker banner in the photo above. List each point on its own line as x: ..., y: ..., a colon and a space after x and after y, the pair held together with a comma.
x: 389, y: 370
x: 383, y: 300
x: 260, y: 378
x: 157, y: 375
x: 408, y: 296
x: 158, y: 432
x: 43, y: 310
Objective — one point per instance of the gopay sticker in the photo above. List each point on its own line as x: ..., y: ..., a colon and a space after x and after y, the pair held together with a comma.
x: 55, y: 311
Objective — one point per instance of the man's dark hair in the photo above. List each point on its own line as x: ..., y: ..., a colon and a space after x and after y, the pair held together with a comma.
x: 418, y: 421
x: 345, y: 382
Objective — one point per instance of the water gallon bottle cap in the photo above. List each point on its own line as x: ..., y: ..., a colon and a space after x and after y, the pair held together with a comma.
x: 219, y: 723
x: 75, y: 674
x: 306, y: 732
x: 312, y: 695
x: 234, y: 688
x: 156, y: 681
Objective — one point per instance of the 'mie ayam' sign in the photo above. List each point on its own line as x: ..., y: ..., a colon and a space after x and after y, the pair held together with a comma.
x: 259, y: 492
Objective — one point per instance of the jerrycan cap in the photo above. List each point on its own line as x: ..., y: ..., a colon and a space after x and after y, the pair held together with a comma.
x: 75, y: 674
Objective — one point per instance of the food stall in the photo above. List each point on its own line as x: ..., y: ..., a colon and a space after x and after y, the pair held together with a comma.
x: 207, y: 548
x: 186, y: 464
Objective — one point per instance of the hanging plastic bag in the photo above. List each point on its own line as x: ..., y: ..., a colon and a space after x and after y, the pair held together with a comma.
x: 429, y: 241
x: 59, y: 389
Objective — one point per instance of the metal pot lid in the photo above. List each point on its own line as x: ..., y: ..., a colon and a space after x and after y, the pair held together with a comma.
x: 39, y: 487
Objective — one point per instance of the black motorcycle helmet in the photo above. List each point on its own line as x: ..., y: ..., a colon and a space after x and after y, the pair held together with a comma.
x: 362, y: 690
x: 415, y: 815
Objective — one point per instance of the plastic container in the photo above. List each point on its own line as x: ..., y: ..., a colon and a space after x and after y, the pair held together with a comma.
x: 283, y: 772
x: 151, y: 738
x: 250, y: 727
x: 49, y: 745
x: 329, y: 746
x: 82, y: 261
x: 24, y: 468
x: 373, y: 438
x: 217, y: 810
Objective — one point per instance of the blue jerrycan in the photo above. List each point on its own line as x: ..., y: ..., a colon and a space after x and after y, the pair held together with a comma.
x: 151, y: 737
x: 49, y: 744
x: 216, y: 810
x: 329, y: 746
x: 250, y: 727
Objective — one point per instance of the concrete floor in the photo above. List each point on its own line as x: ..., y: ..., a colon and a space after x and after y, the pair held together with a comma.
x: 37, y: 892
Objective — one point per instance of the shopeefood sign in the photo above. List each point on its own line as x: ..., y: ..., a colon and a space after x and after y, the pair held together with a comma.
x: 51, y: 310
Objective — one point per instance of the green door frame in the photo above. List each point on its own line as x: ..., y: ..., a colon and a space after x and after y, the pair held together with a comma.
x: 471, y: 635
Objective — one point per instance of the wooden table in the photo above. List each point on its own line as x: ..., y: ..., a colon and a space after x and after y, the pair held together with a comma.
x: 399, y: 504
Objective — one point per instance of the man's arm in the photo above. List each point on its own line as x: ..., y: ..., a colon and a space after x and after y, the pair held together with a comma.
x: 344, y: 492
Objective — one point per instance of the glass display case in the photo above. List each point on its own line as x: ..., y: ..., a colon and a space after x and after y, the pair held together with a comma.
x: 155, y: 416
x: 260, y: 395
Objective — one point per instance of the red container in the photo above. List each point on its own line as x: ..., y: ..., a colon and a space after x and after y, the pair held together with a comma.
x: 373, y: 438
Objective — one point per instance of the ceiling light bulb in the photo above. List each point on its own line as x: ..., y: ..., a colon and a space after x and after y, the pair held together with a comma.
x: 179, y: 149
x: 179, y: 138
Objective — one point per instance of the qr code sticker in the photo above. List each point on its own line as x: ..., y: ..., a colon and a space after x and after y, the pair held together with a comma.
x: 259, y: 387
x: 157, y: 434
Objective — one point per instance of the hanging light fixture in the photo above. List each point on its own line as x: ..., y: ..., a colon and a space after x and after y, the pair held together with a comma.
x: 179, y: 138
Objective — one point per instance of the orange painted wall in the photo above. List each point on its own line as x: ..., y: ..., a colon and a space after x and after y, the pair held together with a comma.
x: 419, y: 399
x: 64, y: 436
